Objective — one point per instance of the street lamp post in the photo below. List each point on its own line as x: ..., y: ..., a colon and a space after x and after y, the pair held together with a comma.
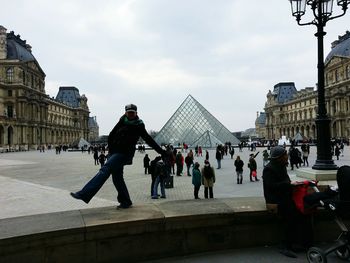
x: 322, y: 11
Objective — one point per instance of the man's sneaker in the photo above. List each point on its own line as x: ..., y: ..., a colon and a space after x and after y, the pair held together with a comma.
x: 163, y: 196
x: 78, y: 196
x: 123, y: 206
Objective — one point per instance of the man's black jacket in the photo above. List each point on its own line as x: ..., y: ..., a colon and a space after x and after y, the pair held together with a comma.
x: 276, y: 182
x: 125, y: 135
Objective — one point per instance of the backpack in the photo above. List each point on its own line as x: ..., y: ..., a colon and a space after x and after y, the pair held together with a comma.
x: 160, y: 169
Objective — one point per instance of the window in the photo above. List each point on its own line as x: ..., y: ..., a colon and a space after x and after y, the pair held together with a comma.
x: 9, y: 93
x: 24, y: 77
x: 10, y: 111
x: 9, y: 74
x: 336, y: 75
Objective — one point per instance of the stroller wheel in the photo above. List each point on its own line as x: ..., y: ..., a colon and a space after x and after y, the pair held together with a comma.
x: 316, y: 255
x: 343, y: 252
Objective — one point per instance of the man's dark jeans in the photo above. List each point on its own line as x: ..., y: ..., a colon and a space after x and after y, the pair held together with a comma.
x: 115, y: 166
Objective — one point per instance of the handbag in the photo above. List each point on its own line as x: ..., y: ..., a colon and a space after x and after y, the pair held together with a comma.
x: 254, y: 173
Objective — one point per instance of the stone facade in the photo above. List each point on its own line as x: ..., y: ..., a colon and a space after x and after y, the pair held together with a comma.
x: 297, y: 113
x: 93, y: 129
x: 28, y: 116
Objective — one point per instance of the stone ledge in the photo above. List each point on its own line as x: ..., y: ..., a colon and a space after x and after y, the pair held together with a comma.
x: 318, y: 175
x: 146, y: 231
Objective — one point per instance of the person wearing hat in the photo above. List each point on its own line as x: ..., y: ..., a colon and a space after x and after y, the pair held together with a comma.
x: 208, y: 179
x: 122, y: 142
x: 253, y: 167
x: 278, y: 189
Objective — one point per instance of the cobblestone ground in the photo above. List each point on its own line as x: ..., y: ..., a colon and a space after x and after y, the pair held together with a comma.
x: 34, y: 182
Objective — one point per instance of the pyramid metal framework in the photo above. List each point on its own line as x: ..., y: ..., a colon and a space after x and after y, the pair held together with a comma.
x: 194, y: 125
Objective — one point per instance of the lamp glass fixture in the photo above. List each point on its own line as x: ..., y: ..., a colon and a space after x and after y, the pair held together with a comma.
x: 327, y: 7
x: 298, y: 7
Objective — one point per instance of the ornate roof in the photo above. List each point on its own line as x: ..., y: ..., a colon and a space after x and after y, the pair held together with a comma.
x: 69, y: 96
x: 18, y: 48
x: 340, y: 47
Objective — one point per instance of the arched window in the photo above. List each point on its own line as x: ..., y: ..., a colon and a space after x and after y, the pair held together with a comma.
x: 9, y: 74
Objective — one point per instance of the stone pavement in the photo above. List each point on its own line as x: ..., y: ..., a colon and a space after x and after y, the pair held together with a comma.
x: 247, y: 255
x: 35, y: 183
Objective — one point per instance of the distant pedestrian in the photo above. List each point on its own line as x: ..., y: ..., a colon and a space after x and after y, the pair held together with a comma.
x: 102, y: 159
x: 293, y: 157
x: 179, y: 159
x: 208, y: 179
x: 188, y: 162
x: 342, y: 148
x: 218, y: 156
x: 239, y: 169
x: 232, y: 152
x: 206, y: 155
x: 96, y: 156
x: 337, y: 151
x: 196, y: 179
x: 253, y: 167
x: 200, y: 151
x: 146, y: 161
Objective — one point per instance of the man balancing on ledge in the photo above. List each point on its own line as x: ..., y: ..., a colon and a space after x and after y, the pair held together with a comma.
x: 122, y: 142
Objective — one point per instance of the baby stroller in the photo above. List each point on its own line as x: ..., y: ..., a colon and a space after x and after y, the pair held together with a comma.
x: 339, y: 206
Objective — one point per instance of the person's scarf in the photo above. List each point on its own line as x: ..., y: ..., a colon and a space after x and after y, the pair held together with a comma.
x: 136, y: 121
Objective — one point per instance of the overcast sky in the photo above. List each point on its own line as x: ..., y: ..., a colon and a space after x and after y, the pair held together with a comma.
x: 226, y: 53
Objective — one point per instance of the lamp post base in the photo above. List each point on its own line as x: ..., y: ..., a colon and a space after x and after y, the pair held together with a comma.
x: 318, y: 175
x: 324, y: 165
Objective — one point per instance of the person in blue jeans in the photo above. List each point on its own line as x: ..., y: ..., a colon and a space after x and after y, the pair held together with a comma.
x: 122, y: 142
x: 161, y: 171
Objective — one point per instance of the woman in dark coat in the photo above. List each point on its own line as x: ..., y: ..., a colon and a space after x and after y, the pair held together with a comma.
x: 146, y: 160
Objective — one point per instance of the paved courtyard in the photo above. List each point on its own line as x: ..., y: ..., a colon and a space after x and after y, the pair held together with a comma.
x: 34, y: 182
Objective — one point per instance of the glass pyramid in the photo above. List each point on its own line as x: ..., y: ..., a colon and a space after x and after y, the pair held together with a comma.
x: 194, y: 125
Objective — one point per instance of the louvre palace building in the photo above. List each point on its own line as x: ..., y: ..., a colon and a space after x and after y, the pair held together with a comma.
x: 289, y: 111
x: 28, y: 116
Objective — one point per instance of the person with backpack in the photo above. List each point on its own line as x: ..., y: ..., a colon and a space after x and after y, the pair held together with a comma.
x: 161, y: 172
x: 239, y: 169
x: 196, y: 179
x: 102, y: 158
x: 153, y: 173
x: 208, y: 179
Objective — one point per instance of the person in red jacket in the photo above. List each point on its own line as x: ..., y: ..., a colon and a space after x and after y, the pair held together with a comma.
x: 122, y: 142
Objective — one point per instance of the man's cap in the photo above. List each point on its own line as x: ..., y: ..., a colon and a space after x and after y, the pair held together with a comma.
x: 277, y: 152
x: 131, y: 107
